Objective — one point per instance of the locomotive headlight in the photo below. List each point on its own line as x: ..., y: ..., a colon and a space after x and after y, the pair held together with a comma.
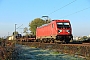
x: 59, y: 31
x: 68, y: 31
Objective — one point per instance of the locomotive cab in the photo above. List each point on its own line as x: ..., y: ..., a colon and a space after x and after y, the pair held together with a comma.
x: 64, y: 31
x: 63, y: 28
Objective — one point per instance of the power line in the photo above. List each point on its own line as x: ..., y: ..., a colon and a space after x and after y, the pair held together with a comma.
x: 76, y: 12
x: 62, y: 7
x: 19, y: 26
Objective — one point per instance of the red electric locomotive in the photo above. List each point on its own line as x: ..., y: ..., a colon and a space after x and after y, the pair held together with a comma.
x: 55, y: 31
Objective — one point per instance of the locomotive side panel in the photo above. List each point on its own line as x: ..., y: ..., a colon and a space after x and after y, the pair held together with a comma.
x: 48, y: 31
x: 43, y: 32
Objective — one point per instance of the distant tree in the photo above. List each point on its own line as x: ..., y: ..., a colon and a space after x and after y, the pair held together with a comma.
x: 25, y: 31
x: 34, y: 24
x: 84, y: 37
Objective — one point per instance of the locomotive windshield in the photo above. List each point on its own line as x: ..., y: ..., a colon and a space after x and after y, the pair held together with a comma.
x: 61, y: 25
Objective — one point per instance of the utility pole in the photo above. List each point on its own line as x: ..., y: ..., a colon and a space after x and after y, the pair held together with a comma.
x: 8, y: 33
x: 15, y: 29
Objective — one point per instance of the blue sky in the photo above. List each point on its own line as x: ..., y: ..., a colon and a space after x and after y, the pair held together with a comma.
x: 24, y: 11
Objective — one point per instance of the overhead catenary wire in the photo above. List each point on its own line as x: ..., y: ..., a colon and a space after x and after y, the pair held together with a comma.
x: 19, y: 26
x: 76, y: 12
x: 62, y: 7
